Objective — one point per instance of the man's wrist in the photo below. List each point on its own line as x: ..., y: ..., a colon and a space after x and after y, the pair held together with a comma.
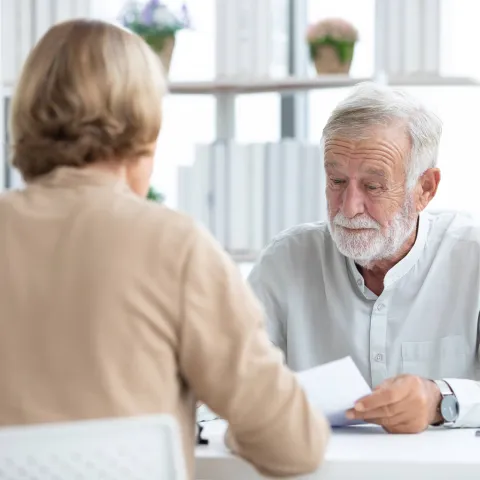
x: 436, y: 417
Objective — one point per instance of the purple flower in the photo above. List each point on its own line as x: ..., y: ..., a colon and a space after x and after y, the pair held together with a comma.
x: 148, y: 12
x: 185, y: 17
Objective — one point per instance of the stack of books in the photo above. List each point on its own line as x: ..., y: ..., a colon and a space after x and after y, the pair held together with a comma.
x: 245, y: 194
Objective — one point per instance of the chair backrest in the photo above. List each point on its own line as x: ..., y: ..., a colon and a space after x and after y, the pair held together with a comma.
x: 136, y: 448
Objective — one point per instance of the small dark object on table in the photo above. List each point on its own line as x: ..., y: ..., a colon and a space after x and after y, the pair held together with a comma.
x: 200, y: 440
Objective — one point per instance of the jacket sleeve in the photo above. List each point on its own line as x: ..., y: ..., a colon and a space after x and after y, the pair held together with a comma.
x: 230, y: 364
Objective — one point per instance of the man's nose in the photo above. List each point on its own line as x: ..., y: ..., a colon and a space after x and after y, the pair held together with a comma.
x: 352, y: 201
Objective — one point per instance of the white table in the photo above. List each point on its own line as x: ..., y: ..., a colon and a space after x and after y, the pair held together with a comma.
x: 359, y: 453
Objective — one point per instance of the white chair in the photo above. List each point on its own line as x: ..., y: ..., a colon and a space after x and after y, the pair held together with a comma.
x: 136, y: 448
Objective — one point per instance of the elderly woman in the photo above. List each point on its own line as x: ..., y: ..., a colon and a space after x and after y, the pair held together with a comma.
x: 112, y: 305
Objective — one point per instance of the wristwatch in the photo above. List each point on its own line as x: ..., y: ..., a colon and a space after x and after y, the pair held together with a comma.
x: 449, y: 408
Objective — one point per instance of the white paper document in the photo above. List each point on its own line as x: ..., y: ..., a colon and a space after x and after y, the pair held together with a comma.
x: 333, y: 388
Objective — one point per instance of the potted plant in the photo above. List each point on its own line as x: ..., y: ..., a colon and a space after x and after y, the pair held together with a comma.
x: 157, y: 25
x: 332, y: 43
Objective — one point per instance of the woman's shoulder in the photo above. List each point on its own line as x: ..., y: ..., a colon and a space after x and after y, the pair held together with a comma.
x: 118, y: 214
x: 156, y: 218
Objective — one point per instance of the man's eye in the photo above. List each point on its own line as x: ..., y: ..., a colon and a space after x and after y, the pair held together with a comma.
x: 372, y: 187
x: 337, y: 181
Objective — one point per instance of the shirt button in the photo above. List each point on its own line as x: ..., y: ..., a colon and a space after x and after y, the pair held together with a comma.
x: 359, y: 283
x: 380, y: 306
x: 379, y: 357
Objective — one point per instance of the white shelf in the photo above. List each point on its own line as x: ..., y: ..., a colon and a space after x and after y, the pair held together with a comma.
x: 292, y: 84
x: 263, y: 85
x: 433, y: 81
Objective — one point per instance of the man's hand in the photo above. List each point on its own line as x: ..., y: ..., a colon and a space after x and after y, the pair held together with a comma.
x: 404, y: 404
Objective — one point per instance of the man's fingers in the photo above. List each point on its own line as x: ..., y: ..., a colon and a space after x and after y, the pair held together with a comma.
x: 394, y: 393
x: 403, y: 406
x: 386, y: 411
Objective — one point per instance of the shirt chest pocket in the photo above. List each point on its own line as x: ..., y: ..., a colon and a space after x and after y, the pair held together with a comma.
x: 446, y: 357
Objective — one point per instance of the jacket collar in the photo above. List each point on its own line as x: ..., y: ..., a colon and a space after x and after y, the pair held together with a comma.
x: 71, y: 177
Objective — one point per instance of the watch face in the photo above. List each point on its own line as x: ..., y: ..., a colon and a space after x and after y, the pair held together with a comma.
x: 449, y: 408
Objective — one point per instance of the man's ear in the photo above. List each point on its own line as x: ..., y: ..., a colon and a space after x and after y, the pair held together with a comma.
x: 427, y: 187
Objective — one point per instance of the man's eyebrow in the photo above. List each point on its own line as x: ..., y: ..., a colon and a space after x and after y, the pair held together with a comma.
x: 331, y: 164
x: 376, y: 171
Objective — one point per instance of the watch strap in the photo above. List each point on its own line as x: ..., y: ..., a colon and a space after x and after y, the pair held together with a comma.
x: 444, y: 387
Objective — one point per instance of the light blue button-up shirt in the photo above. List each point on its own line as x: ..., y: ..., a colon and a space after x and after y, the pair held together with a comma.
x: 425, y: 322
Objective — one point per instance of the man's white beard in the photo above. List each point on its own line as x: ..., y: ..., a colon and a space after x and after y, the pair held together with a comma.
x: 372, y: 244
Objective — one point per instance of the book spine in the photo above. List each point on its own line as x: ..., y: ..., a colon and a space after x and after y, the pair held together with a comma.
x: 238, y: 218
x: 292, y: 183
x: 309, y: 192
x: 275, y: 195
x: 278, y: 39
x: 185, y: 185
x: 257, y: 198
x: 219, y: 189
x: 201, y: 185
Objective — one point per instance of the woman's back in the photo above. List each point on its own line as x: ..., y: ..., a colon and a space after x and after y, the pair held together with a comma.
x: 90, y: 291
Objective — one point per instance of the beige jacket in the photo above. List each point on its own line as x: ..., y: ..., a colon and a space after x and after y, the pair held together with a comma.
x: 111, y: 305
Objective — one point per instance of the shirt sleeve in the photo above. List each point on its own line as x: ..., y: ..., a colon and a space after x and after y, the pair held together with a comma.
x: 468, y: 397
x: 266, y: 281
x: 228, y: 361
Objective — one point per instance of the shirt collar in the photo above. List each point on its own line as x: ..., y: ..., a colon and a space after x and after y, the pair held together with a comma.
x: 404, y: 265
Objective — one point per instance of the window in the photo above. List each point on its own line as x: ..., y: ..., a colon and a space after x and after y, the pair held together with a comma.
x: 322, y: 102
x: 257, y: 118
x: 194, y: 55
x: 187, y: 121
x: 458, y: 158
x: 459, y: 38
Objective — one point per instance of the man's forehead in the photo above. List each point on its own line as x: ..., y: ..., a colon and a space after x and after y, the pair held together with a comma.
x: 372, y: 136
x: 370, y: 168
x: 372, y: 156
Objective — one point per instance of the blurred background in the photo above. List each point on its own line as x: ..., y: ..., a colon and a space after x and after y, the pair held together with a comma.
x: 252, y: 83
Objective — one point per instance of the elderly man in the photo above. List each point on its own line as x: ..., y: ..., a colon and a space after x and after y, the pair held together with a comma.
x: 394, y: 287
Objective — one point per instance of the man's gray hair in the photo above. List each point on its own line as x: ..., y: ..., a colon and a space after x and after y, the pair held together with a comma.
x: 371, y: 105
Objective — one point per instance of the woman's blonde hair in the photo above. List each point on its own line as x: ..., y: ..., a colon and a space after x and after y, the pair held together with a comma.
x: 89, y: 91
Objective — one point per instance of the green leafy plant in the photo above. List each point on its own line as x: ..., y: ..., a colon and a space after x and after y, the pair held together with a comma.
x: 334, y: 32
x: 344, y: 48
x: 155, y: 195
